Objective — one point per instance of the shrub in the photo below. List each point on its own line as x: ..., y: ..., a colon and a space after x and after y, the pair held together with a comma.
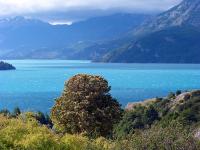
x: 139, y: 118
x: 86, y: 107
x: 174, y: 136
x: 77, y: 142
x: 5, y: 112
x: 43, y: 119
x: 178, y: 92
x: 20, y: 134
x: 26, y: 133
x: 102, y: 143
x: 190, y: 110
x: 16, y: 112
x: 171, y: 95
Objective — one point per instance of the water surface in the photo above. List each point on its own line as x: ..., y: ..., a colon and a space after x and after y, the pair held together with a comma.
x: 36, y: 83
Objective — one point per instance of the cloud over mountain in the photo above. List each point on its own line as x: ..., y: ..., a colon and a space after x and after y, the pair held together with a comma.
x: 74, y: 8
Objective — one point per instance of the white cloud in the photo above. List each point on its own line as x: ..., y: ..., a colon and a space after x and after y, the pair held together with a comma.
x: 34, y: 7
x: 60, y: 22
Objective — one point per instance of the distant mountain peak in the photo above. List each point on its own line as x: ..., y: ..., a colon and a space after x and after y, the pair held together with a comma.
x: 20, y: 21
x: 190, y: 1
x: 185, y: 13
x: 13, y: 19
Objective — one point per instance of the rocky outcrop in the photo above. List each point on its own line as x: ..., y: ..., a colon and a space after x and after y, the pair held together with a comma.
x: 182, y: 98
x: 197, y: 134
x: 173, y: 102
x: 132, y: 105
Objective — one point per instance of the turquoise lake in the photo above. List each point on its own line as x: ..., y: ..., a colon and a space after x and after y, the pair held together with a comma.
x: 36, y: 83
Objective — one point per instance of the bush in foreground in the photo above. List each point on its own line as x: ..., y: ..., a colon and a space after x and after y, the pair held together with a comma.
x: 86, y: 107
x: 26, y: 133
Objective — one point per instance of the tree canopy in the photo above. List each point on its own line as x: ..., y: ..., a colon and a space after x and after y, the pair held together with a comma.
x: 86, y: 106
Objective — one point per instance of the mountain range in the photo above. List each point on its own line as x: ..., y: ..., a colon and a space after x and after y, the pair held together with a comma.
x: 22, y: 38
x: 170, y: 37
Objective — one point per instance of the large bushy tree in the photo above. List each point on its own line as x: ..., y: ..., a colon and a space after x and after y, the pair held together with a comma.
x: 86, y: 107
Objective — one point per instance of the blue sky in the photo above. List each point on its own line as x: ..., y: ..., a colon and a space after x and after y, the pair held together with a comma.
x: 72, y: 10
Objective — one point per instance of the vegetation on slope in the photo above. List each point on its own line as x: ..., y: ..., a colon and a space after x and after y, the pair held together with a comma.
x: 26, y: 133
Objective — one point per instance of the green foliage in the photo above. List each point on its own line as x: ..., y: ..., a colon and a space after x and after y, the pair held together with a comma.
x: 171, y: 95
x: 76, y: 142
x: 105, y: 144
x: 150, y: 115
x: 5, y: 112
x: 16, y: 112
x: 139, y: 118
x: 86, y: 107
x: 172, y: 137
x: 178, y: 92
x: 190, y: 110
x: 26, y: 133
x: 43, y: 119
x: 184, y: 109
x: 187, y: 110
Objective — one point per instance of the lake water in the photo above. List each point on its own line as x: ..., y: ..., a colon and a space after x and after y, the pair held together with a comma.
x: 36, y: 83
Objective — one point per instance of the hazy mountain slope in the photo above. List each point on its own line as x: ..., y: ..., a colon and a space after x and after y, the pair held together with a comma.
x: 97, y: 50
x: 171, y: 37
x: 28, y: 38
x: 20, y: 36
x: 19, y: 32
x: 107, y: 27
x: 172, y: 45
